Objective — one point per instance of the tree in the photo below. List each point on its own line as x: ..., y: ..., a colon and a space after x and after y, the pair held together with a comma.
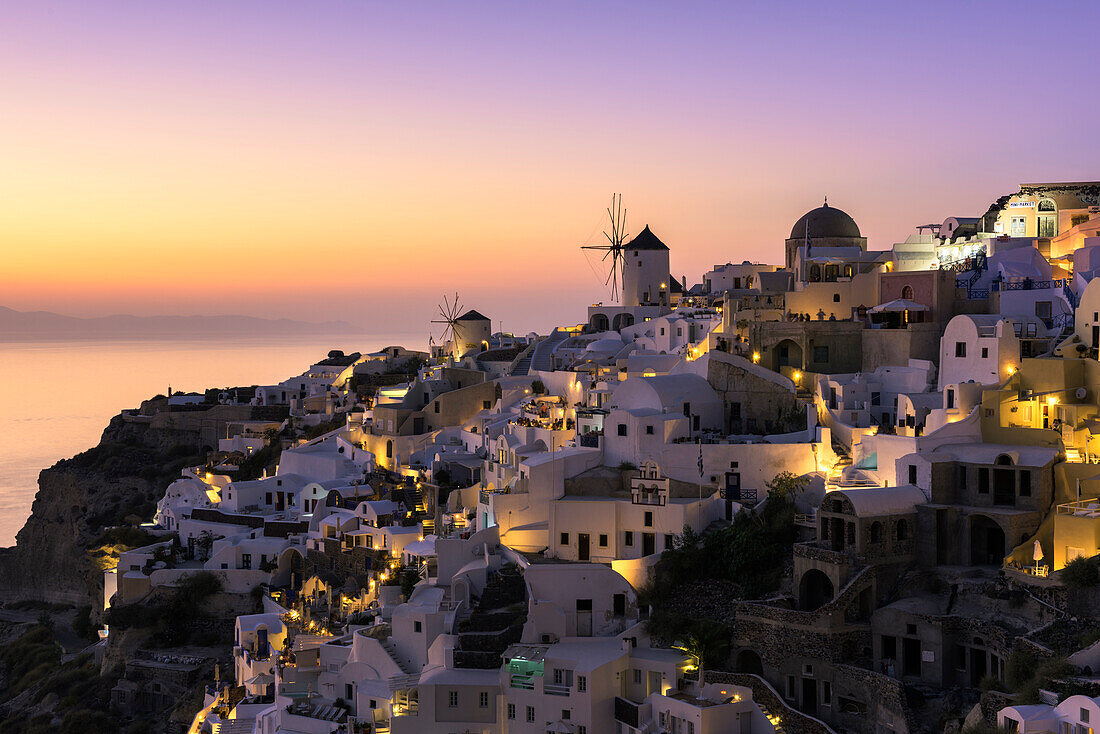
x: 538, y: 387
x: 786, y: 486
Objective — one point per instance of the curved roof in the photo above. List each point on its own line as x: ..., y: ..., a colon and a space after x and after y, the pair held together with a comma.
x: 645, y: 240
x: 825, y: 221
x: 883, y: 500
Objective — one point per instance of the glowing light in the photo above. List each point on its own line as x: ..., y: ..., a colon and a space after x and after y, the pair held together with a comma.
x: 1010, y: 370
x: 1052, y: 400
x: 797, y: 376
x: 756, y: 357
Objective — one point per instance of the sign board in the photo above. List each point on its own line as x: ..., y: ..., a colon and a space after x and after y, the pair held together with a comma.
x: 928, y: 656
x: 1021, y: 205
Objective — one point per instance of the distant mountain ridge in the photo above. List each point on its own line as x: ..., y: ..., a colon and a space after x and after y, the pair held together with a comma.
x: 24, y: 324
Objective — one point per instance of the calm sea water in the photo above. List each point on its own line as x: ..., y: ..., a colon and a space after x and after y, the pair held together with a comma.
x: 57, y: 397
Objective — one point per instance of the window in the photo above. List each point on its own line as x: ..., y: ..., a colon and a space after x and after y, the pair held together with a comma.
x: 582, y: 729
x: 1084, y: 716
x: 374, y: 703
x: 648, y: 520
x: 486, y: 405
x: 436, y: 404
x: 622, y: 429
x: 950, y: 399
x: 452, y: 699
x: 983, y: 480
x: 912, y: 473
x: 628, y: 538
x: 821, y: 354
x: 985, y: 352
x: 649, y: 430
x: 637, y: 673
x: 826, y: 692
x: 903, y: 532
x: 246, y: 560
x: 566, y: 714
x: 960, y: 349
x: 511, y: 711
x: 417, y: 626
x: 1025, y: 484
x: 564, y: 539
x: 790, y: 687
x: 603, y: 540
x: 483, y: 700
x: 836, y: 298
x: 907, y: 293
x: 531, y: 714
x: 349, y: 694
x: 582, y: 684
x: 669, y: 541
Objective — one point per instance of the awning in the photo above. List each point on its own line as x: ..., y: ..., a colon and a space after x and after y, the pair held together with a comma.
x: 900, y: 304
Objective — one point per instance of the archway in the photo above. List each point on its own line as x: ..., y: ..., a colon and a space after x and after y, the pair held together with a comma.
x: 623, y: 320
x: 749, y: 662
x: 987, y: 542
x: 814, y: 590
x: 599, y: 322
x: 787, y: 354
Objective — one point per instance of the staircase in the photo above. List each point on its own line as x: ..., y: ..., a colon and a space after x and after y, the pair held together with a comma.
x: 392, y: 652
x: 542, y: 358
x: 844, y: 461
x: 775, y: 719
x: 522, y: 365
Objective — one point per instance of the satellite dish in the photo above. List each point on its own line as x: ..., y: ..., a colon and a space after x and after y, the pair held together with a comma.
x: 1081, y: 393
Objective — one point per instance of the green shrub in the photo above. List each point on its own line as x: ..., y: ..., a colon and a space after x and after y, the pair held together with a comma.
x: 1082, y: 573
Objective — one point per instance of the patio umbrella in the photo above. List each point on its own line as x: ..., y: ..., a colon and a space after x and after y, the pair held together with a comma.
x: 1037, y: 554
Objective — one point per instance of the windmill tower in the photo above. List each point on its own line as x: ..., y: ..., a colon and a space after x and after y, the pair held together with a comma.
x: 614, y: 247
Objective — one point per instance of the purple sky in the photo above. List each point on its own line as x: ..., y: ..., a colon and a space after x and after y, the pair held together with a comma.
x: 386, y: 152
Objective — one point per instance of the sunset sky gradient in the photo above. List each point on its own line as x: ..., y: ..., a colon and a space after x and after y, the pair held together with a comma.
x: 357, y: 159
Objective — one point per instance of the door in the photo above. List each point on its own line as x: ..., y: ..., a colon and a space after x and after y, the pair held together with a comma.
x: 809, y: 696
x: 584, y: 617
x: 733, y: 486
x: 583, y: 545
x: 649, y: 544
x: 1095, y: 336
x: 910, y: 656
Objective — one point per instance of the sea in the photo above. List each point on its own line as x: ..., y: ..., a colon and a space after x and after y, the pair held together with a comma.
x: 56, y: 397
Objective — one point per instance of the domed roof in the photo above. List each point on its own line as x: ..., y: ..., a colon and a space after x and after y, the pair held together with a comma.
x: 825, y: 221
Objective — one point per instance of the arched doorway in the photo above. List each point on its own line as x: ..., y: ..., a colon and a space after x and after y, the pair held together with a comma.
x: 623, y: 320
x: 814, y: 590
x: 787, y: 354
x: 599, y: 322
x: 987, y: 542
x: 749, y: 662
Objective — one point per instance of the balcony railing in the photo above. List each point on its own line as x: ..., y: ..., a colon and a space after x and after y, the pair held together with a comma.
x: 1081, y: 508
x: 626, y: 712
x: 526, y: 682
x: 553, y: 689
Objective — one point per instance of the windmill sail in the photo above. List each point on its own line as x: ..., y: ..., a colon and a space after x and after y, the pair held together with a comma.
x: 614, y: 247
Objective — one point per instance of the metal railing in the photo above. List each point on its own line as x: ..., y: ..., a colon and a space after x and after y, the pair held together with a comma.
x: 1081, y: 508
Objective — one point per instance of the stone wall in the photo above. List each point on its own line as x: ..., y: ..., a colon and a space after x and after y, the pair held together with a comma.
x: 793, y: 722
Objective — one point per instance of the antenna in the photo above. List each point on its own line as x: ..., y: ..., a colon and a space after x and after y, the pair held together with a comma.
x: 614, y: 249
x: 448, y: 312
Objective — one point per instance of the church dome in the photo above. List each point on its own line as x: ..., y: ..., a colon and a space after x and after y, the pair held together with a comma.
x: 825, y: 221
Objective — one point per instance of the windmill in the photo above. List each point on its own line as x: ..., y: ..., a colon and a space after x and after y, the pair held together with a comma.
x: 448, y: 311
x: 614, y: 246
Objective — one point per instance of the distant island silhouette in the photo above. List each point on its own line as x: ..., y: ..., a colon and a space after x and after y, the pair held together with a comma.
x: 45, y: 324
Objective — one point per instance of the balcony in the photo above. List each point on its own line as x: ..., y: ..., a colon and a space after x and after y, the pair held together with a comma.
x: 627, y: 712
x: 1081, y: 508
x: 552, y: 689
x: 526, y: 682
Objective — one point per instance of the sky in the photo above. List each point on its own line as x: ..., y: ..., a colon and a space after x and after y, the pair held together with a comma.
x: 356, y: 160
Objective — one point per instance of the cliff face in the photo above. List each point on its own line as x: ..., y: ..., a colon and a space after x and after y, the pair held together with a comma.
x: 121, y: 478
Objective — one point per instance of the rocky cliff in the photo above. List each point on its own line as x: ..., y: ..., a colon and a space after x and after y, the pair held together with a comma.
x: 60, y: 553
